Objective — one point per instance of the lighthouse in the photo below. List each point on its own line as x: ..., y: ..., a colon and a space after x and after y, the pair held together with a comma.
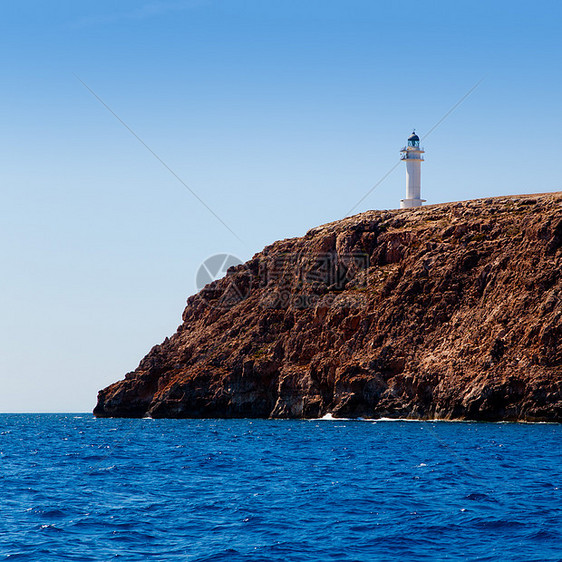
x: 412, y: 154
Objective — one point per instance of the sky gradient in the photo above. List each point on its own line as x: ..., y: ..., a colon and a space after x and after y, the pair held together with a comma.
x: 280, y: 116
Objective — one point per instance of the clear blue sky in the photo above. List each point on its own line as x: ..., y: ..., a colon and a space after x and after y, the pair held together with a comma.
x: 279, y: 115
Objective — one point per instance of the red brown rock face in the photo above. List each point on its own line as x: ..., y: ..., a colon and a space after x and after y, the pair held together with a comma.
x: 450, y: 311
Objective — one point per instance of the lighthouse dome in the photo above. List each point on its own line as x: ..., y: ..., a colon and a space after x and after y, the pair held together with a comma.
x: 414, y: 140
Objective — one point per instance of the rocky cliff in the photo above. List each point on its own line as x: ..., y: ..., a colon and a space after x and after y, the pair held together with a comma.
x: 451, y: 311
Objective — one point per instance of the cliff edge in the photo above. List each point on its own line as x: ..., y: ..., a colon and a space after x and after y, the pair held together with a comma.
x: 450, y: 311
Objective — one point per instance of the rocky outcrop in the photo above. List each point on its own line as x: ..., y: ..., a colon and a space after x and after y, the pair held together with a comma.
x: 449, y: 311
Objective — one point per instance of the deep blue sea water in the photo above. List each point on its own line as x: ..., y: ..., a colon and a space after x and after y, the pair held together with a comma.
x: 77, y: 488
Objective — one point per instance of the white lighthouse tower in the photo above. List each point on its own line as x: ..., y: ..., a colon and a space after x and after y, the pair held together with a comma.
x: 413, y: 155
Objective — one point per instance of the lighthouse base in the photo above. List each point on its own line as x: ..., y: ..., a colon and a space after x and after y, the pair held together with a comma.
x: 409, y: 203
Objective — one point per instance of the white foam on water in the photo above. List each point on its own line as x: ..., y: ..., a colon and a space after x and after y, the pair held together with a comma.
x: 330, y: 417
x: 395, y: 420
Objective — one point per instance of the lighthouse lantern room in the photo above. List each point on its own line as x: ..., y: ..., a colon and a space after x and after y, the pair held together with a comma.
x: 413, y: 156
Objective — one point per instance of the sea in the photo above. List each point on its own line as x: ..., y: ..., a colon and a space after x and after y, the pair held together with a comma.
x: 73, y: 487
